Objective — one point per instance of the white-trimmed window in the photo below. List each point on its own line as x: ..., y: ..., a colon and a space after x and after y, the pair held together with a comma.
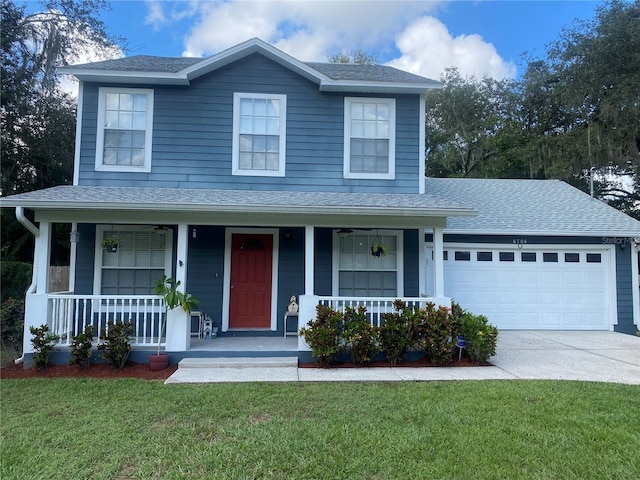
x: 358, y: 273
x: 369, y: 138
x: 259, y: 134
x: 142, y: 258
x: 125, y: 124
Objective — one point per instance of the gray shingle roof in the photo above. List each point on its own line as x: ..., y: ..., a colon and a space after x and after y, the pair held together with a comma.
x: 543, y: 207
x: 335, y: 71
x: 373, y: 73
x: 142, y: 63
x: 241, y: 201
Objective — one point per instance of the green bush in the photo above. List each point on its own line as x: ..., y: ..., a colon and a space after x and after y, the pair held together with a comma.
x: 434, y: 333
x: 115, y: 343
x: 360, y: 337
x: 324, y: 335
x: 480, y: 337
x: 12, y: 322
x: 43, y: 343
x: 15, y: 278
x: 81, y: 348
x: 396, y: 332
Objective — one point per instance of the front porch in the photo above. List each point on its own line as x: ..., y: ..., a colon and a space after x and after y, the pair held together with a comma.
x: 68, y: 314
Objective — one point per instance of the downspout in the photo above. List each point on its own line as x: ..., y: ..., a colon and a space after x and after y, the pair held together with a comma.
x: 34, y: 276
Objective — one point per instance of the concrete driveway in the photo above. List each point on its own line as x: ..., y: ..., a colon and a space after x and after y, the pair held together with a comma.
x: 553, y: 355
x: 568, y: 355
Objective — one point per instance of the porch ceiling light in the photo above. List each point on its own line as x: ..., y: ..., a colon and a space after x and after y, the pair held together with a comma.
x: 74, y: 236
x: 343, y: 232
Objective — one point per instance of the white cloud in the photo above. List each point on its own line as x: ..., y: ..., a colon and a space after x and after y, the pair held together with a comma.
x: 312, y: 30
x: 155, y: 15
x: 427, y: 48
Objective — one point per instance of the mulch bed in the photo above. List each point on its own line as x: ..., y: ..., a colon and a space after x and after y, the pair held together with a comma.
x: 96, y: 370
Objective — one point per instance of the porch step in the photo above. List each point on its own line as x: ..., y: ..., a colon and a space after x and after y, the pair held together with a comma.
x: 238, y: 362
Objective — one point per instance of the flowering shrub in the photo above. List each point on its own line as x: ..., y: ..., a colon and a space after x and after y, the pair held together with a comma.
x: 81, y: 348
x: 361, y: 339
x: 324, y: 335
x: 481, y: 337
x: 43, y: 343
x: 396, y: 333
x: 116, y: 343
x: 434, y: 333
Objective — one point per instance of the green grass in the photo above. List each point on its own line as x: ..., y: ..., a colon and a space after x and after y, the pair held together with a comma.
x: 120, y: 429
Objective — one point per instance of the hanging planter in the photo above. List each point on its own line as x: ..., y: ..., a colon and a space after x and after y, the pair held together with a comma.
x: 110, y: 244
x: 378, y: 249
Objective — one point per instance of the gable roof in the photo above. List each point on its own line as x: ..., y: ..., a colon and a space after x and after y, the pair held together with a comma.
x: 530, y: 207
x: 144, y: 69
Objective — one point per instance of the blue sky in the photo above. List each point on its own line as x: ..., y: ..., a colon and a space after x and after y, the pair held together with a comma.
x: 479, y: 37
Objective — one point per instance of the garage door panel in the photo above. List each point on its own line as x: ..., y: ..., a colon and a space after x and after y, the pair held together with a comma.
x: 549, y: 295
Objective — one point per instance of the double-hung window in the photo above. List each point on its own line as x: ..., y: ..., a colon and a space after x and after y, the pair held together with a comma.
x: 142, y: 258
x: 125, y: 122
x: 369, y: 138
x: 259, y: 134
x: 358, y: 273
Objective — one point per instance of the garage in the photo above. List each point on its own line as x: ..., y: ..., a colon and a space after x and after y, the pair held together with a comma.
x: 532, y: 287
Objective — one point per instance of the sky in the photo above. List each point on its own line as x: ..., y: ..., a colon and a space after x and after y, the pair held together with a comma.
x: 479, y: 37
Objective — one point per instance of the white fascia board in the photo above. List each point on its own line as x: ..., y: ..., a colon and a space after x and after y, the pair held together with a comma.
x: 352, y: 86
x: 545, y: 233
x: 255, y: 45
x: 130, y: 78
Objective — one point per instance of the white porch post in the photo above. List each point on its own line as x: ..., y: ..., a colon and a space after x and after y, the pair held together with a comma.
x: 36, y: 303
x: 178, y: 322
x: 307, y: 302
x: 438, y: 262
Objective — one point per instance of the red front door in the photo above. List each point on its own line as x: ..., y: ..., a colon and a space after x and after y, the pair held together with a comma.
x: 251, y: 268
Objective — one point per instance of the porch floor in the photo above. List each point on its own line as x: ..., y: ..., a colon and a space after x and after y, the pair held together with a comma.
x: 245, y: 344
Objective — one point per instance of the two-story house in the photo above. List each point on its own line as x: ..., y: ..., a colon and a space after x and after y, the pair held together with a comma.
x: 252, y: 177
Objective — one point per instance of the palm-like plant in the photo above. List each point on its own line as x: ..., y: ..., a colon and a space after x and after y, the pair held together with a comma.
x: 168, y: 288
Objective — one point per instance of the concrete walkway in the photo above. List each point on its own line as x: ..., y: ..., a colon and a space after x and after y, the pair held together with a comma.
x: 554, y: 355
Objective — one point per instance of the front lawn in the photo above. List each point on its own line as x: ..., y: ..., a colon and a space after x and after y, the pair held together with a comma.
x: 121, y: 429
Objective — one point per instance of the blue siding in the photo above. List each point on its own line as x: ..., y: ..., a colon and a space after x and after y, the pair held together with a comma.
x: 411, y: 263
x: 624, y: 293
x: 85, y: 262
x: 323, y: 262
x: 192, y: 135
x: 290, y: 272
x: 205, y: 275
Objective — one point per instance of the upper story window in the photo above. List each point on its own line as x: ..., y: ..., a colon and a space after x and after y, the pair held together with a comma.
x: 125, y: 123
x: 259, y: 134
x: 369, y: 138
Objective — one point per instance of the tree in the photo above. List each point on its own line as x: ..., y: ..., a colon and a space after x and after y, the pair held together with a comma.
x: 353, y: 56
x: 37, y: 120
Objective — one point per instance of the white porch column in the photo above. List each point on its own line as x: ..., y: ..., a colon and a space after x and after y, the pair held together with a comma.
x: 306, y: 311
x: 438, y: 262
x: 309, y: 255
x: 178, y: 321
x: 36, y: 308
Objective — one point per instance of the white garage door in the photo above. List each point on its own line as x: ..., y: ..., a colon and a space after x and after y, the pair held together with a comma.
x: 531, y: 288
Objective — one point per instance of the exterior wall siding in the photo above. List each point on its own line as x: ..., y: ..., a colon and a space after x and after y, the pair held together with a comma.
x: 412, y: 265
x: 624, y: 292
x: 192, y: 135
x: 85, y: 255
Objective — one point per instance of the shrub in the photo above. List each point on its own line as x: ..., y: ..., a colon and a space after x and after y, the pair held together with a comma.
x: 15, y: 278
x: 81, y: 348
x: 396, y: 333
x: 480, y: 336
x: 324, y: 335
x: 43, y: 343
x: 116, y: 343
x: 434, y: 335
x: 361, y: 339
x: 12, y: 322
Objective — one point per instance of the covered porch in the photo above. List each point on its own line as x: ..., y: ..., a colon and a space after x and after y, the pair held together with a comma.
x: 201, y: 228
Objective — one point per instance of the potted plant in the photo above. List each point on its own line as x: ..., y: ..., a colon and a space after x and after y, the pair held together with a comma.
x: 168, y: 288
x: 110, y: 244
x: 378, y: 249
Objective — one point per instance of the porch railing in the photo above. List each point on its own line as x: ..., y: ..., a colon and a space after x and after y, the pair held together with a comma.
x: 69, y: 315
x: 375, y: 306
